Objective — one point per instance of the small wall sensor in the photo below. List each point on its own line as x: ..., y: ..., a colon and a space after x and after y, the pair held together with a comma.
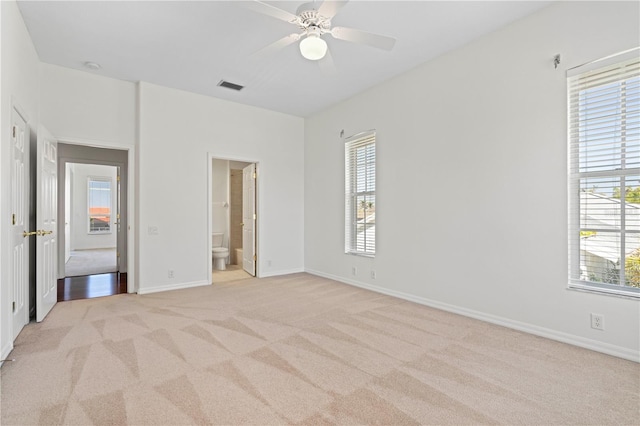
x: 92, y: 65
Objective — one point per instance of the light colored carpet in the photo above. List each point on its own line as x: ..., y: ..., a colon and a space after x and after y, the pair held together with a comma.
x: 299, y: 349
x: 89, y: 262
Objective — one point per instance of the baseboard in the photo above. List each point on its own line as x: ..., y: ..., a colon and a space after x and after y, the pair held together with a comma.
x: 149, y: 290
x: 559, y: 336
x: 6, y: 350
x: 285, y: 272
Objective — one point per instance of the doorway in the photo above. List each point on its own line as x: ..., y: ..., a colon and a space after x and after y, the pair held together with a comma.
x: 91, y: 212
x: 93, y: 189
x: 232, y: 212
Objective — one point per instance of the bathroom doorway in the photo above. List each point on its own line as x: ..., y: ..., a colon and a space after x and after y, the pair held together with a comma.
x: 233, y: 219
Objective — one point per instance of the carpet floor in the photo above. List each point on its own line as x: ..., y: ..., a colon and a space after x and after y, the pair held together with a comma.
x: 299, y: 349
x: 91, y: 262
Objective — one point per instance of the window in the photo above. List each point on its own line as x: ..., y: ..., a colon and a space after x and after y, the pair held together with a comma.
x: 360, y: 185
x: 604, y: 177
x: 99, y: 205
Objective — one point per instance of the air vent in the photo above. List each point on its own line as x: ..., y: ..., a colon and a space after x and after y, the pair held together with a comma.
x: 229, y: 85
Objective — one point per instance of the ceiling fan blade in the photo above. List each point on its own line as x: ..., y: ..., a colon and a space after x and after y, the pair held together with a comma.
x: 326, y: 64
x: 363, y: 37
x: 277, y: 45
x: 330, y: 8
x: 267, y: 9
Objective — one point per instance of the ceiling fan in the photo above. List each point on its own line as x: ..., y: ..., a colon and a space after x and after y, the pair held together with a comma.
x: 314, y: 23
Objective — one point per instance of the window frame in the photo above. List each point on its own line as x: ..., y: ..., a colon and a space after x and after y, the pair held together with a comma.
x: 577, y: 84
x: 109, y: 180
x: 354, y: 143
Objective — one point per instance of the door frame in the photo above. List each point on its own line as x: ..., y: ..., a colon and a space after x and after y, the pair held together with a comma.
x: 63, y: 170
x: 132, y: 270
x: 210, y: 157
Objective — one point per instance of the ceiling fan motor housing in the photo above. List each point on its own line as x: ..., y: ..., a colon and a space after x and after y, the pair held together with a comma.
x: 309, y: 19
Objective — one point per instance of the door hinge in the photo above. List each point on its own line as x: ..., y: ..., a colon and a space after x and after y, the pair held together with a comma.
x: 255, y: 257
x: 117, y: 254
x: 14, y: 132
x: 118, y: 178
x: 118, y: 216
x: 13, y: 306
x: 13, y: 219
x: 255, y: 216
x: 255, y: 175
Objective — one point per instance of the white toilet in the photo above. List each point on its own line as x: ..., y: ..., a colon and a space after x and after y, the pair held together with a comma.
x: 220, y: 253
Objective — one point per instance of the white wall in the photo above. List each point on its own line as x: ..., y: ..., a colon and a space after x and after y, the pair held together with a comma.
x: 472, y: 189
x: 80, y: 237
x: 19, y: 84
x: 81, y: 106
x: 178, y: 130
x: 220, y: 197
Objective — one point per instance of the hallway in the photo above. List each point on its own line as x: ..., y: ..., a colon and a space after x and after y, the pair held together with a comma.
x: 90, y: 286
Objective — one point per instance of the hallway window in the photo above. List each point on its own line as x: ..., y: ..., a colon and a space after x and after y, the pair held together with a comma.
x: 99, y: 205
x: 360, y: 203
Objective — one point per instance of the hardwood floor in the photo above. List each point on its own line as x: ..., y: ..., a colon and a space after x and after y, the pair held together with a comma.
x: 90, y: 286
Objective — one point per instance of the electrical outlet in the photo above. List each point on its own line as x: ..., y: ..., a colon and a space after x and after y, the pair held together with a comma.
x: 170, y: 273
x: 373, y: 275
x: 354, y: 270
x: 597, y: 321
x: 152, y: 230
x: 268, y: 263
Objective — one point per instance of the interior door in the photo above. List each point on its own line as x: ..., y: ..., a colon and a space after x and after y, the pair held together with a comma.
x: 19, y: 223
x: 249, y: 219
x: 46, y: 223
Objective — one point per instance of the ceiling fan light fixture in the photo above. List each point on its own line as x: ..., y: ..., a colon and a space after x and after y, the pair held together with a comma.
x: 313, y: 47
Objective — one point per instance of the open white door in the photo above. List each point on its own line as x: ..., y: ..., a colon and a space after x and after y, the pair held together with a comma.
x: 249, y: 219
x: 46, y: 223
x: 19, y: 266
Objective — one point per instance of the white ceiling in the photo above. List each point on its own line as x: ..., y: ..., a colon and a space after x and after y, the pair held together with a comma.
x: 193, y: 45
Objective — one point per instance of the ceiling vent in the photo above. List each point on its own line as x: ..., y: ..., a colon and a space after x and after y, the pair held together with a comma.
x: 230, y: 85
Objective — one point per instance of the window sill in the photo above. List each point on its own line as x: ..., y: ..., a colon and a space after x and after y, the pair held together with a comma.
x: 352, y: 253
x: 625, y: 294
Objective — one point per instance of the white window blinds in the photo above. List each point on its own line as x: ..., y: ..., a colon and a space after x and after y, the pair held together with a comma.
x: 360, y: 194
x: 604, y: 177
